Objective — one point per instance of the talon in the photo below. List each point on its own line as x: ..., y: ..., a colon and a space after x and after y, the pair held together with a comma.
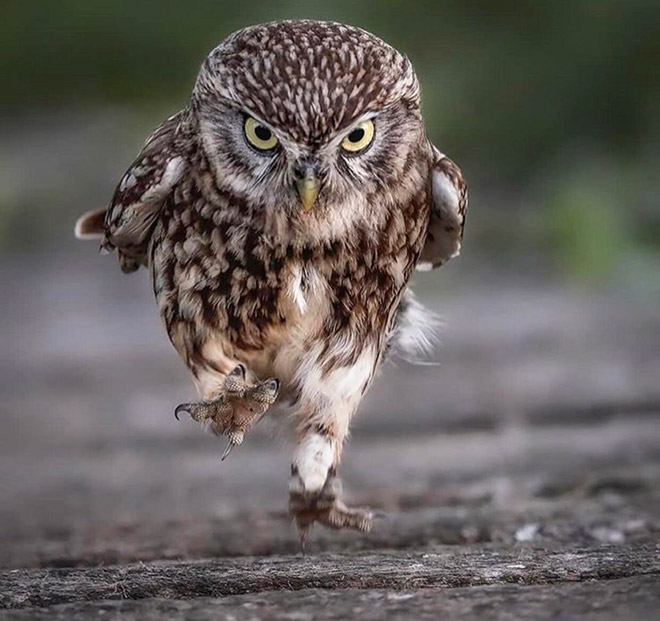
x: 235, y: 439
x: 265, y: 393
x: 302, y: 536
x: 182, y: 408
x: 196, y: 411
x: 228, y: 449
x: 239, y: 370
x: 235, y: 380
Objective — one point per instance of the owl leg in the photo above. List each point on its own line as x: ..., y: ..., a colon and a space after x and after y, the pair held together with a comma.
x: 315, y: 490
x: 328, y: 397
x: 236, y: 408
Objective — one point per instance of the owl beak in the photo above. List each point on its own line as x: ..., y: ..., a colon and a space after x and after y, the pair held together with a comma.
x: 307, y: 185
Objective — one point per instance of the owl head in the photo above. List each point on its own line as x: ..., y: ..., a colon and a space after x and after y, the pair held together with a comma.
x: 308, y: 118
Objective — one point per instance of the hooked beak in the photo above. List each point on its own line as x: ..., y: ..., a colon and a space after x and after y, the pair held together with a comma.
x: 307, y: 185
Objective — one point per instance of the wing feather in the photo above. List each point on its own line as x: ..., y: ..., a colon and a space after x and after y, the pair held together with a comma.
x: 140, y: 196
x: 447, y: 215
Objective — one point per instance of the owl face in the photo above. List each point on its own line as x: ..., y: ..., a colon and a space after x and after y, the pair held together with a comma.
x: 307, y: 117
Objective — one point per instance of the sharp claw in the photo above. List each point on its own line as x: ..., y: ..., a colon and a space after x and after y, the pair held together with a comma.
x: 302, y: 535
x: 228, y: 449
x: 239, y: 371
x: 181, y: 408
x: 273, y: 384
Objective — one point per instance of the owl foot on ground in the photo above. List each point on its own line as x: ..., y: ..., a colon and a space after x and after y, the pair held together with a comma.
x: 236, y: 408
x: 324, y: 506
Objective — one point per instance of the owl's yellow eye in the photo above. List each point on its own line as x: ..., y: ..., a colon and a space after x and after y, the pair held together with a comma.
x: 259, y: 136
x: 359, y: 138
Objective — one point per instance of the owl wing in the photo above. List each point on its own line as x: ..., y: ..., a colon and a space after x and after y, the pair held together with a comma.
x: 127, y: 224
x: 447, y: 216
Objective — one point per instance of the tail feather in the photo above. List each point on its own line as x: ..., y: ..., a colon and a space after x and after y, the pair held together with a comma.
x: 91, y: 225
x: 415, y: 332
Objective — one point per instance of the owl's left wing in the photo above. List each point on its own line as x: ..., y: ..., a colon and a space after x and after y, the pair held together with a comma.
x: 447, y: 216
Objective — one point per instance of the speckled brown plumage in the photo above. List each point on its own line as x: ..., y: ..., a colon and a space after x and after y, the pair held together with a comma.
x: 243, y: 274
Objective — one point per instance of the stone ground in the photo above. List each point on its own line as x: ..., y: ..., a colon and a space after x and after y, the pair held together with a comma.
x: 519, y: 478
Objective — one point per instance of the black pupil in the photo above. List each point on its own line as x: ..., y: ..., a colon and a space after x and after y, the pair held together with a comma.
x: 263, y: 133
x: 356, y: 135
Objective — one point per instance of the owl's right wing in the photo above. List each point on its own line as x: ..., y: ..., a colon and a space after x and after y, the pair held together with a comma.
x: 447, y: 216
x: 127, y: 224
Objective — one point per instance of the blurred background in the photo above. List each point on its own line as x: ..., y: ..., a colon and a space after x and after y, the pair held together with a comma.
x: 550, y: 107
x: 552, y: 311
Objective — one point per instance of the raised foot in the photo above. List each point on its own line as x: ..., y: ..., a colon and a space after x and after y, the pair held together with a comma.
x: 325, y: 506
x: 237, y: 407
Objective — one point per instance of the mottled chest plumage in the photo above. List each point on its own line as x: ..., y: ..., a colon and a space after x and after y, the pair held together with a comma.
x: 218, y: 269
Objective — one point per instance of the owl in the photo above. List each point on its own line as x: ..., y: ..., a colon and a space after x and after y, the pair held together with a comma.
x: 281, y: 215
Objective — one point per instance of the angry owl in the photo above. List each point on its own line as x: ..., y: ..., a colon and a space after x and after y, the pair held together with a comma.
x: 281, y: 215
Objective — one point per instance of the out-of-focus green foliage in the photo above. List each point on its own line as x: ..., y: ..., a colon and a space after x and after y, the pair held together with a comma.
x: 521, y: 93
x: 576, y: 209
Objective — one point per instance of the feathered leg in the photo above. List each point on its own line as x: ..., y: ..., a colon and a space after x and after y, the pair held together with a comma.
x: 328, y: 402
x: 315, y: 490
